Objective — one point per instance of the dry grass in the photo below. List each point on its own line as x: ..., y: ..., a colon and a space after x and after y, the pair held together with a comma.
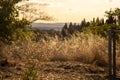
x: 86, y: 48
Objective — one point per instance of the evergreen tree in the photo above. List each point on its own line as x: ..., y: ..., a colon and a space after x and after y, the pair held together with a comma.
x: 70, y: 29
x: 79, y: 28
x: 64, y: 31
x: 102, y: 21
x: 83, y: 23
x: 97, y: 21
x: 93, y: 22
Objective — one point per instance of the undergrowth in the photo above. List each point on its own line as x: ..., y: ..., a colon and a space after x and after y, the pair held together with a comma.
x: 86, y: 48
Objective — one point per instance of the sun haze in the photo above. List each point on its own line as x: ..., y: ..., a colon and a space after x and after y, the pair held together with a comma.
x: 76, y: 10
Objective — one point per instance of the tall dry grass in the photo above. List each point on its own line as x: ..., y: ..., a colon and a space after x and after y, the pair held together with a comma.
x: 85, y: 48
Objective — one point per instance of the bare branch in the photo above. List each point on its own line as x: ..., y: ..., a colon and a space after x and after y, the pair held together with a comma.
x: 33, y: 12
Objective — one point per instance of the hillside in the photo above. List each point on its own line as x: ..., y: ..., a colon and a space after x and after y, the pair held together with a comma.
x: 48, y: 26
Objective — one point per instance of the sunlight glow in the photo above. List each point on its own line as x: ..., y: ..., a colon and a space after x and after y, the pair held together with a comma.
x: 34, y: 1
x: 76, y: 10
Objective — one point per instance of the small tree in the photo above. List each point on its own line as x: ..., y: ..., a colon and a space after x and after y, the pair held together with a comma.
x: 98, y: 21
x: 64, y: 31
x: 111, y: 18
x: 11, y: 28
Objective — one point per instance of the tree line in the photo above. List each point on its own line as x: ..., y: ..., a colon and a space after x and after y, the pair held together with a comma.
x: 12, y: 28
x: 96, y: 26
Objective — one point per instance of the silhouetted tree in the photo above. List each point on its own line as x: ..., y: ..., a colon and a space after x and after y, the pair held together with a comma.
x: 79, y: 28
x: 102, y: 21
x: 110, y: 15
x: 83, y: 23
x: 98, y: 22
x: 111, y: 20
x: 71, y: 28
x: 64, y: 31
x: 8, y: 14
x: 93, y: 22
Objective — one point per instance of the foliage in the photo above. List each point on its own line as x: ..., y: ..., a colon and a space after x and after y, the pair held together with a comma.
x: 113, y: 16
x: 73, y: 28
x: 31, y: 74
x: 64, y: 31
x: 96, y: 26
x: 11, y: 27
x: 85, y: 48
x: 112, y: 22
x: 44, y: 34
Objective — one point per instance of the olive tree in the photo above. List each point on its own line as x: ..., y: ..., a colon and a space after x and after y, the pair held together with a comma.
x: 13, y: 28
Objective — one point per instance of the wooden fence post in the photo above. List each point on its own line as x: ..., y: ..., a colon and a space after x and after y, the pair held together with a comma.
x: 114, y: 55
x: 110, y: 54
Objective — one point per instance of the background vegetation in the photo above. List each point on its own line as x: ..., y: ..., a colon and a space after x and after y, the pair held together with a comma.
x: 97, y: 26
x: 85, y: 42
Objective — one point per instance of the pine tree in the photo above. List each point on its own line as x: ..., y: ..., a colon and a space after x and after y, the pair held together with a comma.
x: 83, y: 23
x: 97, y: 21
x: 102, y: 21
x: 64, y: 31
x: 70, y: 29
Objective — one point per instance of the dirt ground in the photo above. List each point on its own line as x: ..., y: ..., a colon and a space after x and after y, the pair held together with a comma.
x: 72, y: 71
x: 54, y: 71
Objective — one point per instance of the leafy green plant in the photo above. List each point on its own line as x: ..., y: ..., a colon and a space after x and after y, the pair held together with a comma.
x: 11, y: 27
x: 31, y: 74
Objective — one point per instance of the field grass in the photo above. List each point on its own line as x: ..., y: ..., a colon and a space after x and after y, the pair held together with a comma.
x: 86, y: 48
x: 83, y: 48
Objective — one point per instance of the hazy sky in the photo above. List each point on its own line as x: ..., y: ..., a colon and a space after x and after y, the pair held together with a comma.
x: 76, y: 10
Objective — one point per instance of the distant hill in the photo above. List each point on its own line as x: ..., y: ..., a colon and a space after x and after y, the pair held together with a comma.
x: 48, y: 26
